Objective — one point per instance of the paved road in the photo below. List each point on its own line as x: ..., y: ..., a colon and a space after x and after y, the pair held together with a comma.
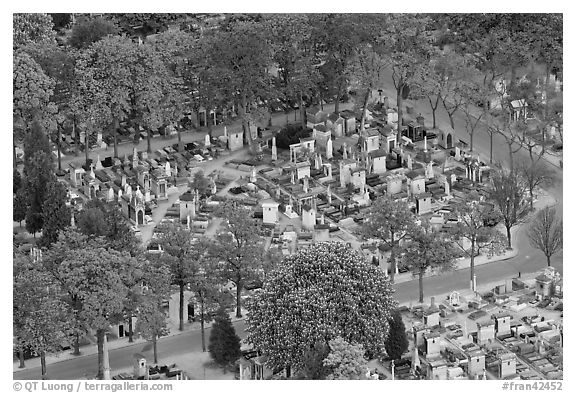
x: 87, y: 366
x: 528, y: 260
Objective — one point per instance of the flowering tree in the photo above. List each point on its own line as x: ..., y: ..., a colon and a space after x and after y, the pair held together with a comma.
x: 345, y: 360
x: 323, y: 292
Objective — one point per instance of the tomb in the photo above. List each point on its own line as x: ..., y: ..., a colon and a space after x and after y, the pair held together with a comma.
x: 315, y: 116
x: 321, y: 134
x: 371, y: 140
x: 159, y: 184
x: 235, y: 139
x: 423, y: 203
x: 335, y: 123
x: 506, y: 365
x: 476, y: 362
x: 485, y: 333
x: 418, y: 332
x: 270, y: 212
x: 346, y: 167
x: 446, y: 138
x: 349, y: 121
x: 308, y: 217
x: 187, y: 205
x: 437, y: 369
x: 432, y: 314
x: 394, y: 184
x: 431, y: 345
x: 391, y: 116
x: 502, y: 322
x: 77, y: 175
x: 358, y: 177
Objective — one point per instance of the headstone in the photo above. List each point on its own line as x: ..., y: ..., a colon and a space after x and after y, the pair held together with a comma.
x: 253, y: 175
x: 425, y: 144
x: 345, y: 152
x: 110, y: 194
x: 225, y: 132
x: 144, y: 155
x: 119, y: 195
x: 98, y: 163
x: 292, y: 178
x: 167, y: 169
x: 92, y: 174
x: 329, y: 194
x: 409, y: 161
x: 429, y: 171
x: 306, y: 184
x: 274, y: 149
x: 329, y: 148
x: 134, y: 157
x: 207, y: 140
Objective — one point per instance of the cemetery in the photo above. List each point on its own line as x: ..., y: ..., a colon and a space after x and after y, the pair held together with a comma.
x: 516, y: 335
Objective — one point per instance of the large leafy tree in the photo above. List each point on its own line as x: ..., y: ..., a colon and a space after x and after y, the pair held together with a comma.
x: 472, y: 234
x: 56, y: 214
x: 236, y: 65
x: 396, y: 342
x: 345, y: 360
x: 224, y: 346
x: 427, y: 249
x: 535, y: 174
x: 97, y: 277
x: 39, y: 315
x: 508, y: 194
x: 290, y: 38
x: 20, y: 205
x: 239, y: 246
x: 30, y: 28
x: 545, y: 232
x: 151, y: 316
x: 407, y: 41
x: 389, y: 222
x: 32, y: 90
x: 86, y: 32
x: 181, y: 257
x: 320, y: 293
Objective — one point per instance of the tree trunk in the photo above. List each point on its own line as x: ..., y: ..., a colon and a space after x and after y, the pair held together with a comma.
x: 100, y: 339
x: 202, y: 323
x: 364, y: 108
x: 130, y: 330
x: 548, y: 260
x: 434, y: 107
x: 509, y: 236
x: 181, y: 307
x: 115, y: 134
x: 491, y: 146
x: 21, y: 353
x: 86, y: 144
x: 302, y: 112
x: 531, y: 191
x: 511, y: 153
x: 43, y: 364
x: 76, y: 345
x: 472, y: 255
x: 59, y: 144
x: 421, y: 286
x: 399, y: 102
x: 238, y: 299
x: 76, y: 136
x: 149, y: 138
x: 155, y: 346
x: 180, y: 147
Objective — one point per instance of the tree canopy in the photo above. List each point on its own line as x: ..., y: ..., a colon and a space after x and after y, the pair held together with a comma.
x: 320, y: 293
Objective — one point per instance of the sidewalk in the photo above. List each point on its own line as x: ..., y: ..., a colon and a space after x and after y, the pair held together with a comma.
x: 92, y: 349
x: 544, y: 200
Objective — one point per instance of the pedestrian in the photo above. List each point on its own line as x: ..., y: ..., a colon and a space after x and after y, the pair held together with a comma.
x: 519, y: 274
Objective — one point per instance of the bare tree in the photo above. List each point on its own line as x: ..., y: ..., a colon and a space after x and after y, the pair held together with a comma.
x: 508, y: 194
x: 535, y: 174
x: 545, y: 232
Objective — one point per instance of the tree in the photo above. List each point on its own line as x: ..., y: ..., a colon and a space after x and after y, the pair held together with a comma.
x: 396, y: 342
x: 200, y: 184
x: 151, y: 317
x: 96, y: 275
x: 32, y: 90
x: 472, y: 94
x: 236, y: 65
x: 20, y: 206
x: 345, y: 360
x: 181, y: 257
x: 105, y: 219
x: 239, y: 245
x: 389, y: 222
x: 407, y: 44
x: 320, y: 293
x: 56, y: 215
x: 545, y: 232
x: 86, y: 32
x: 224, y: 346
x: 471, y: 233
x: 36, y: 140
x: 61, y: 21
x: 16, y: 180
x: 427, y: 249
x: 28, y: 28
x: 39, y: 315
x: 508, y: 194
x: 535, y: 174
x: 37, y: 179
x: 313, y: 360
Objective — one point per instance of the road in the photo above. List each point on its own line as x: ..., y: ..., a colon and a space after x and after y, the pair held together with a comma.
x: 86, y: 366
x: 528, y: 259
